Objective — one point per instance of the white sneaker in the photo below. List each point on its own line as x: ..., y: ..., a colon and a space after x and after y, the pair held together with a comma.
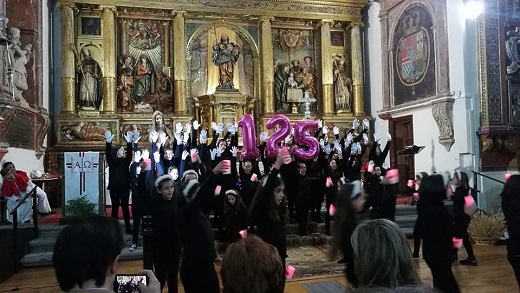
x: 133, y: 247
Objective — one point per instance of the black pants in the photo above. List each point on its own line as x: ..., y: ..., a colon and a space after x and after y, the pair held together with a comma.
x: 120, y: 198
x: 199, y: 276
x: 515, y: 263
x: 302, y: 215
x: 443, y: 277
x: 137, y: 214
x: 461, y: 231
x: 166, y: 264
x: 416, y: 237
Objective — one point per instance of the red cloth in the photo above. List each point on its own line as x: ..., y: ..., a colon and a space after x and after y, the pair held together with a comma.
x: 15, y: 186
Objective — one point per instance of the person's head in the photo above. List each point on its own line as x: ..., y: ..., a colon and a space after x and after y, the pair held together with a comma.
x: 224, y: 38
x: 168, y: 154
x: 7, y: 173
x: 252, y: 266
x: 295, y: 63
x: 86, y: 52
x: 382, y: 255
x: 189, y: 185
x: 302, y: 168
x: 143, y: 58
x: 127, y: 59
x: 248, y: 166
x: 460, y: 178
x: 222, y: 144
x: 418, y: 179
x: 291, y: 75
x: 190, y: 175
x: 158, y: 118
x: 145, y: 153
x: 233, y: 198
x: 307, y: 60
x: 174, y: 172
x: 510, y: 196
x: 433, y: 189
x: 165, y: 186
x: 277, y: 201
x: 305, y: 70
x: 9, y: 165
x: 333, y: 164
x: 88, y: 250
x: 120, y: 152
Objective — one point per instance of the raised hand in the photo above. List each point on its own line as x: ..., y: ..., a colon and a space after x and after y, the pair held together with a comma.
x: 220, y: 128
x: 187, y: 127
x: 325, y: 129
x: 157, y: 157
x: 178, y: 127
x: 376, y: 137
x: 203, y: 136
x: 328, y: 150
x: 322, y: 143
x: 196, y: 125
x: 263, y: 136
x: 231, y: 128
x: 365, y: 138
x: 109, y: 136
x: 349, y: 138
x: 234, y: 151
x: 213, y: 154
x: 219, y: 152
x: 320, y: 123
x: 153, y: 136
x: 162, y: 138
x: 389, y: 136
x: 178, y: 138
x: 355, y: 124
x: 335, y: 130
x: 337, y: 146
x: 186, y: 137
x: 366, y: 124
x: 214, y: 126
x: 128, y: 136
x: 184, y: 155
x: 136, y: 137
x: 137, y: 156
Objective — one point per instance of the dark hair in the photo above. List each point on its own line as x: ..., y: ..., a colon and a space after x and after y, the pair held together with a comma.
x: 6, y: 164
x: 275, y: 212
x: 510, y: 196
x: 432, y: 189
x: 344, y: 213
x: 85, y: 249
x: 4, y: 171
x: 252, y: 266
x: 464, y: 180
x: 172, y: 168
x: 239, y: 203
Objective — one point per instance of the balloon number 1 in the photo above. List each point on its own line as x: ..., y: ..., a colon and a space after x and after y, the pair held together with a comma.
x: 247, y: 123
x: 301, y: 137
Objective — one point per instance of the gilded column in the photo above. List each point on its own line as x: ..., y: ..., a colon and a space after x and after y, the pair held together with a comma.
x: 166, y: 26
x: 68, y: 72
x: 326, y: 68
x: 266, y: 64
x: 357, y: 68
x: 180, y: 93
x: 109, y: 59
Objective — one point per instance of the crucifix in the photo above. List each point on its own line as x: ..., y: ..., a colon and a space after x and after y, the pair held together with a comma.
x: 307, y: 100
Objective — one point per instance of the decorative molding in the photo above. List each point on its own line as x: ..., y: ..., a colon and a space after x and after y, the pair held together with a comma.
x: 442, y: 111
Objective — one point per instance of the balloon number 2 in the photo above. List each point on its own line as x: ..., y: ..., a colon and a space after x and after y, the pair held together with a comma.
x: 273, y: 144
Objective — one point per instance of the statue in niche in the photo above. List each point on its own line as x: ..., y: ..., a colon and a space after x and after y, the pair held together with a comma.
x: 145, y: 38
x: 19, y: 57
x: 162, y: 98
x: 225, y: 56
x: 89, y: 81
x: 144, y: 83
x: 342, y: 84
x: 125, y: 85
x: 307, y: 60
x: 160, y: 127
x: 281, y: 84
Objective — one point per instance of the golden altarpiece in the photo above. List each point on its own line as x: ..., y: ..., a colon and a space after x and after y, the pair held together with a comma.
x: 211, y: 61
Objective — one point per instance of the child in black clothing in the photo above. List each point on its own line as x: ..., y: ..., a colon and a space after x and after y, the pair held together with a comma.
x: 197, y: 268
x: 236, y: 215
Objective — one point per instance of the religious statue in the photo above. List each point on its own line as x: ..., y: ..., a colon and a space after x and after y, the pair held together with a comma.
x: 308, y: 64
x: 225, y: 55
x: 162, y: 98
x: 89, y: 81
x: 159, y: 126
x: 342, y: 85
x: 144, y: 83
x: 281, y: 75
x: 125, y: 85
x: 19, y: 57
x: 85, y: 132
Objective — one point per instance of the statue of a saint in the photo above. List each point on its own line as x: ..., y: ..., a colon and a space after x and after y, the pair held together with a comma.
x: 125, y: 85
x: 162, y: 98
x: 342, y: 85
x: 89, y: 81
x: 19, y: 57
x: 225, y: 55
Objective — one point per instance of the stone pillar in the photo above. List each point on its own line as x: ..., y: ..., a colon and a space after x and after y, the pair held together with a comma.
x: 180, y: 93
x: 326, y: 68
x: 109, y: 59
x: 68, y: 71
x: 357, y: 68
x: 266, y: 65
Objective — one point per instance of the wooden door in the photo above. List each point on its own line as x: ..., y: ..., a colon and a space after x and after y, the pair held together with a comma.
x: 401, y: 130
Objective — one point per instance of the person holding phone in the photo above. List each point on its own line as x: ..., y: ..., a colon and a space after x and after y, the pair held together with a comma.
x: 86, y: 256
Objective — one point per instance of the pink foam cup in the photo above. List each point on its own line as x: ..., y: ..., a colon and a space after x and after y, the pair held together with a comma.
x: 217, y: 190
x: 243, y: 233
x: 226, y: 167
x: 289, y: 272
x: 254, y: 177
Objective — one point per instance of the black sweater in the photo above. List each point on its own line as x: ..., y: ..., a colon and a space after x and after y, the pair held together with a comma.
x: 272, y: 232
x: 436, y: 231
x: 118, y: 172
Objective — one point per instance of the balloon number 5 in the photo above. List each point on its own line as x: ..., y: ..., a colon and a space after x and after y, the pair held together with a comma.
x: 273, y: 144
x: 301, y: 138
x: 249, y: 150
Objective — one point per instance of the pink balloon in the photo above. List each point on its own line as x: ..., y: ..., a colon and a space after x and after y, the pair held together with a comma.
x: 289, y: 272
x: 273, y: 146
x: 313, y: 147
x: 249, y: 149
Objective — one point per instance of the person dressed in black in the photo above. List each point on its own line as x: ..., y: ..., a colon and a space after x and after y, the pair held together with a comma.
x: 416, y: 228
x: 158, y: 196
x: 303, y: 198
x: 236, y: 215
x: 138, y: 206
x: 197, y: 267
x: 437, y: 233
x: 511, y: 208
x: 269, y: 209
x: 118, y: 177
x: 461, y: 185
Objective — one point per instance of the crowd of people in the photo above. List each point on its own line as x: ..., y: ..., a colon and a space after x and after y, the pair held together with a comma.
x: 181, y: 180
